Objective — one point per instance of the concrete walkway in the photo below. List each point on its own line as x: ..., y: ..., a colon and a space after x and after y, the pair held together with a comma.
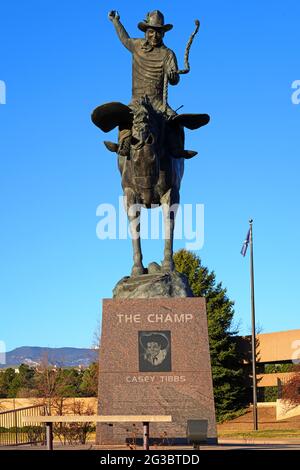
x: 223, y: 446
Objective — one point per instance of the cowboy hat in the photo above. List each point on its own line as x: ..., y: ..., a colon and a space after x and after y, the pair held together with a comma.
x: 155, y: 20
x: 156, y: 337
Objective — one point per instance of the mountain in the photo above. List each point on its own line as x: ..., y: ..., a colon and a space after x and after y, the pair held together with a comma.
x: 60, y: 357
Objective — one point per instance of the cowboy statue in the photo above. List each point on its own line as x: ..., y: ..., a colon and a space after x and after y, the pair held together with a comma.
x: 154, y: 67
x: 150, y: 144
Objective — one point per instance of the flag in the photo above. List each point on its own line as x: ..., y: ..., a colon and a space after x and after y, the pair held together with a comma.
x: 246, y: 243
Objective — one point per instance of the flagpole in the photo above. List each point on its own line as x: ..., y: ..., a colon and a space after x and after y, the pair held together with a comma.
x: 254, y: 382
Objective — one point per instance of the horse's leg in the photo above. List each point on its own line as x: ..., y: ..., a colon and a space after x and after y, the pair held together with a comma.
x: 133, y: 212
x: 169, y: 201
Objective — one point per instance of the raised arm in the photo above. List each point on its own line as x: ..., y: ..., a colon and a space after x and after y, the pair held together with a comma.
x: 121, y: 31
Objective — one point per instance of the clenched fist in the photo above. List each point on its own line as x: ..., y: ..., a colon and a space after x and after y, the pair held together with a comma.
x: 113, y: 15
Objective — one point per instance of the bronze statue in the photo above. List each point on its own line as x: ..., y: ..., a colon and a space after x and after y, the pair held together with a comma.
x: 150, y: 145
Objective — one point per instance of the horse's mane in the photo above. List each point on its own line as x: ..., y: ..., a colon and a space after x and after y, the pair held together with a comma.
x: 144, y: 113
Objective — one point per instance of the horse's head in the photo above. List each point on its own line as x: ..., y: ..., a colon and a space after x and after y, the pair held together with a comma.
x: 144, y: 151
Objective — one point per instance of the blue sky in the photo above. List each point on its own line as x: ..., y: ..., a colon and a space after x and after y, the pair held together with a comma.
x: 60, y: 60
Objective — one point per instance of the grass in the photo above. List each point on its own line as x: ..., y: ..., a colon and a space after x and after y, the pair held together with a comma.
x: 263, y: 434
x: 230, y: 416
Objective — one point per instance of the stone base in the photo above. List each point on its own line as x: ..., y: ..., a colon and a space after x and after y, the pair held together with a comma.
x: 154, y: 360
x: 149, y: 286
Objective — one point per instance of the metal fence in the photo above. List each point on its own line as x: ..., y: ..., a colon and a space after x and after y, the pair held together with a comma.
x: 12, y: 431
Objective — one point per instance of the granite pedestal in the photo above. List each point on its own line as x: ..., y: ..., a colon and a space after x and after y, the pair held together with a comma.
x: 154, y: 360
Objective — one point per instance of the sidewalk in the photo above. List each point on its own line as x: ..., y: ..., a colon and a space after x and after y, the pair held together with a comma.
x: 223, y: 445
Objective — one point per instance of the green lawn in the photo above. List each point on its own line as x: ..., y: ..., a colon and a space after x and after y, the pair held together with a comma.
x: 263, y: 434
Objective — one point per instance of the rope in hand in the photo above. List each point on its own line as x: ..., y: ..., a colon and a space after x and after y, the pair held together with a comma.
x: 186, y: 63
x: 187, y: 50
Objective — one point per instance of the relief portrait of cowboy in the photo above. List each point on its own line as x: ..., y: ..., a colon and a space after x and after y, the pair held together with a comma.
x: 155, y: 351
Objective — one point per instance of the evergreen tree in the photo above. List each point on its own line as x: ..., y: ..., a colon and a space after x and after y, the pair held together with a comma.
x: 6, y: 378
x: 68, y: 382
x: 21, y: 383
x: 227, y: 371
x: 89, y: 383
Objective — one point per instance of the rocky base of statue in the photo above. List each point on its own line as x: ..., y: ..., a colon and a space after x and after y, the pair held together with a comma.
x: 152, y: 285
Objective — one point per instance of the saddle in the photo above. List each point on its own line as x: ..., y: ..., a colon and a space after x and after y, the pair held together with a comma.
x: 110, y: 115
x: 115, y: 114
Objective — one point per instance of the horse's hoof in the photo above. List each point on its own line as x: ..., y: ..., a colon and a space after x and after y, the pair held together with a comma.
x: 138, y: 271
x: 154, y: 268
x: 167, y: 266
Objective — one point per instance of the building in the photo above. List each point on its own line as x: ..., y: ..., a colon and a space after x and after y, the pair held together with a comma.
x: 276, y: 355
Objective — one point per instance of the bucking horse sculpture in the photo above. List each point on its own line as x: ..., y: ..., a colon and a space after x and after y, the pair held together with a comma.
x: 150, y: 146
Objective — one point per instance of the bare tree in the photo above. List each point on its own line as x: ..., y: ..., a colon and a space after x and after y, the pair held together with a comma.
x: 75, y: 433
x: 97, y: 336
x: 291, y: 389
x: 46, y: 384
